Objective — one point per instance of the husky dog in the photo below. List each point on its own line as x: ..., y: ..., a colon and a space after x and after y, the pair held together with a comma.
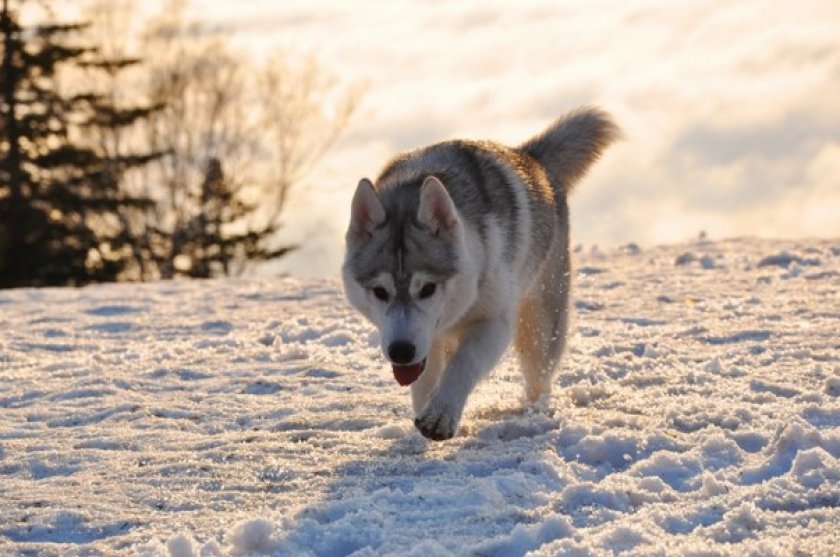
x: 459, y: 247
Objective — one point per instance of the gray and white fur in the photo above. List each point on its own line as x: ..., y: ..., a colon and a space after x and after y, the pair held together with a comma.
x: 462, y: 246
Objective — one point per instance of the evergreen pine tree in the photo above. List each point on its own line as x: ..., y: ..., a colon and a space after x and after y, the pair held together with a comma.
x: 61, y: 207
x: 213, y: 249
x: 113, y: 122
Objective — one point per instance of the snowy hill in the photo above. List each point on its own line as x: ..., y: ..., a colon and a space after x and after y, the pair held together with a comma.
x: 698, y: 412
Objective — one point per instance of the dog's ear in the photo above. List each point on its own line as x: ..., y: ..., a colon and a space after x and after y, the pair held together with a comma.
x: 366, y: 212
x: 437, y: 211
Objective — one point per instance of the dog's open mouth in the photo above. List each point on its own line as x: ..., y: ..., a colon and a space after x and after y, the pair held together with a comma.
x: 406, y: 375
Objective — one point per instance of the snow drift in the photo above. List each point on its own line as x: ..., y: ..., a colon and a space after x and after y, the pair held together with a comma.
x: 697, y: 412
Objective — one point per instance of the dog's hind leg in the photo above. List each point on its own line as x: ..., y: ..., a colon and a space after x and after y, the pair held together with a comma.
x: 542, y: 323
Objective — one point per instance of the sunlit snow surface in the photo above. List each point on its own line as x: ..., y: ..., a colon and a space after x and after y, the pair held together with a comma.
x: 697, y: 412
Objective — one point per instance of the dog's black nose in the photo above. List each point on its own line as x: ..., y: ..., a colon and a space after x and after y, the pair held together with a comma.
x: 401, y: 352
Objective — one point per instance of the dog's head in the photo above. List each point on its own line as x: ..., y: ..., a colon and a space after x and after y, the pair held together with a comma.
x: 406, y: 268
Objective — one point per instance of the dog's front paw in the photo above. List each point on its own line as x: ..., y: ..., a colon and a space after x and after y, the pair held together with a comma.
x: 438, y: 421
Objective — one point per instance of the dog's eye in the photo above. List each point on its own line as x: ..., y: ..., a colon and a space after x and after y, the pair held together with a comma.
x: 428, y: 290
x: 380, y: 293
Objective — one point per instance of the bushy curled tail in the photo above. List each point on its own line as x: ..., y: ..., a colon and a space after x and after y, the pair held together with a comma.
x: 570, y: 146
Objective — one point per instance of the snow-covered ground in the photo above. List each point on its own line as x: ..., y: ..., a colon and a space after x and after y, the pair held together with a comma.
x: 698, y: 412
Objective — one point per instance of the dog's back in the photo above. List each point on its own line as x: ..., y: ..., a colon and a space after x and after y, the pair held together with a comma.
x: 515, y: 198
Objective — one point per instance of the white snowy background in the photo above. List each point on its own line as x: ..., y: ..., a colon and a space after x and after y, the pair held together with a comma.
x: 730, y: 109
x: 697, y: 413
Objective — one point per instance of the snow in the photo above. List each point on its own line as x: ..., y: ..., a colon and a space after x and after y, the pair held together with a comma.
x: 697, y: 413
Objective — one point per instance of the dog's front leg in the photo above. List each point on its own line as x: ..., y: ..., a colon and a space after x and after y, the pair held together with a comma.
x: 481, y: 347
x: 425, y: 385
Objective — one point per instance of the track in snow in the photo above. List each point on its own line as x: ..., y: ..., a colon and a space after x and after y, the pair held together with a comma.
x: 698, y: 409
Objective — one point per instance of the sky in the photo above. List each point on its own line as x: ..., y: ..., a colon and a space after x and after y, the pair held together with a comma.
x: 729, y: 109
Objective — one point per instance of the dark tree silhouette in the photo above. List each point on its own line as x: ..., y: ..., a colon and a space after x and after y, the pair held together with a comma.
x: 214, y: 250
x: 61, y: 205
x: 237, y: 139
x: 181, y: 168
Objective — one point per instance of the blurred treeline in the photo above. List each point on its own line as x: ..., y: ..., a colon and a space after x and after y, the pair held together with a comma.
x: 141, y: 150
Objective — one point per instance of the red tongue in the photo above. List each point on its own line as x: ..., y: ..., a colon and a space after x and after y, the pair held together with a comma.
x: 406, y: 375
